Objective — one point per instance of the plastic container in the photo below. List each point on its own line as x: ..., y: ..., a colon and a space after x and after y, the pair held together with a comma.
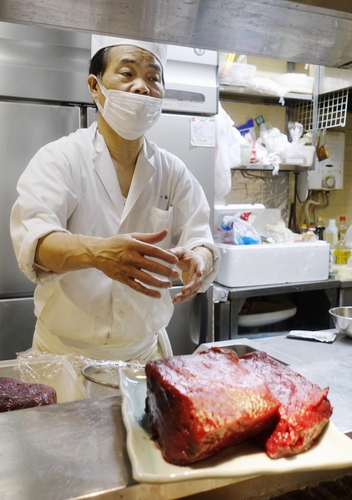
x: 330, y: 235
x: 311, y: 234
x: 299, y: 154
x: 238, y: 74
x: 348, y: 237
x: 342, y: 228
x: 341, y: 251
x: 299, y: 83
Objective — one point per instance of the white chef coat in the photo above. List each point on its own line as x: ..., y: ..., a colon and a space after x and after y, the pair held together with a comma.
x: 71, y: 185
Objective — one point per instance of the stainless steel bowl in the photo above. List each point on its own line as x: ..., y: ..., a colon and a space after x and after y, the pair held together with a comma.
x: 342, y: 317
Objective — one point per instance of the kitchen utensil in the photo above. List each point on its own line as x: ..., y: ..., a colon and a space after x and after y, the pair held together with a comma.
x: 293, y: 223
x: 342, y: 317
x: 302, y: 185
x: 321, y: 149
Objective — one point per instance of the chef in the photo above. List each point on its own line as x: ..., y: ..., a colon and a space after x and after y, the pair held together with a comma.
x: 105, y: 220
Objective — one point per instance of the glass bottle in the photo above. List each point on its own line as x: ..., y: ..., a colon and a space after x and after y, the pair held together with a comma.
x: 320, y: 228
x: 303, y: 228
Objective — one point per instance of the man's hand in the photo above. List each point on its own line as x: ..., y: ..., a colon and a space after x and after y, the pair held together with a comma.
x: 195, y: 265
x: 127, y: 258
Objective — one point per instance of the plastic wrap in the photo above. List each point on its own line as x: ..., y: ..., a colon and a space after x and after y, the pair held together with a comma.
x: 227, y: 154
x: 64, y: 373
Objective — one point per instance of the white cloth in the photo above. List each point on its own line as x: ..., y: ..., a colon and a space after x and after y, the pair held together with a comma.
x: 159, y: 50
x: 150, y: 348
x: 71, y: 185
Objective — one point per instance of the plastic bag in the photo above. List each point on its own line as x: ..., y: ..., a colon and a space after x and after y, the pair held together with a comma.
x: 274, y: 140
x: 297, y: 152
x: 227, y: 154
x: 244, y: 233
x: 245, y: 147
x: 226, y: 230
x: 296, y: 130
x: 279, y: 233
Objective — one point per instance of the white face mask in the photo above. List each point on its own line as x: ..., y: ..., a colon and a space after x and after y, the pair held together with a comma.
x: 129, y: 115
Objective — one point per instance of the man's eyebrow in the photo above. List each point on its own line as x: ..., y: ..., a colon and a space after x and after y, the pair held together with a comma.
x: 129, y: 60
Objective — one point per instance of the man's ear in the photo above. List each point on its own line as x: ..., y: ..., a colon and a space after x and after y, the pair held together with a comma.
x: 93, y: 86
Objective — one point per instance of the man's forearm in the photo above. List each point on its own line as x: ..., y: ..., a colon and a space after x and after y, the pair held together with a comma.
x: 61, y: 252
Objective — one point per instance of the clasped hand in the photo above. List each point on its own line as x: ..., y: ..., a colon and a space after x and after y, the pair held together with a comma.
x: 138, y: 269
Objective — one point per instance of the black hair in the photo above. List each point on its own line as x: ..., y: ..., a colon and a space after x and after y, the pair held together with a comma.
x: 99, y: 62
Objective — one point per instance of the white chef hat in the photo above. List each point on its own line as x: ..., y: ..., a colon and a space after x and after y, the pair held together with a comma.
x: 158, y: 50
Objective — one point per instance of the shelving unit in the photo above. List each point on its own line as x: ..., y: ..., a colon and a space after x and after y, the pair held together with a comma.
x: 283, y: 168
x: 244, y: 95
x: 249, y: 95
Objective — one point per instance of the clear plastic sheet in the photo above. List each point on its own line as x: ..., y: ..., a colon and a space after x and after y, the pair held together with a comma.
x: 64, y: 373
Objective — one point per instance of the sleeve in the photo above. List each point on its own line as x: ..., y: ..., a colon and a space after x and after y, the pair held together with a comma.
x: 47, y: 198
x: 191, y: 219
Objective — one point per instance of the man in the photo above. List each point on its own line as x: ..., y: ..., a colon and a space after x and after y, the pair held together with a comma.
x: 105, y: 220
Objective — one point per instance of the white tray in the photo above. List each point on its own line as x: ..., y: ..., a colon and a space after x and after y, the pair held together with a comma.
x: 334, y: 449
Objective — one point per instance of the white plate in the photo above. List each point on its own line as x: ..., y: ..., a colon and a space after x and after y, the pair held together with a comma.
x: 334, y: 449
x: 266, y: 312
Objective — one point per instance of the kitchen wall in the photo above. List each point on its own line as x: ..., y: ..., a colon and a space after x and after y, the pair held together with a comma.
x: 340, y: 202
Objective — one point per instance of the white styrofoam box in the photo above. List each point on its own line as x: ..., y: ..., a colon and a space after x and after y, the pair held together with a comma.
x: 263, y: 215
x: 269, y: 264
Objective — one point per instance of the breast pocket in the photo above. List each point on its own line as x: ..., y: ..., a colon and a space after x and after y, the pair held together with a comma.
x: 162, y: 219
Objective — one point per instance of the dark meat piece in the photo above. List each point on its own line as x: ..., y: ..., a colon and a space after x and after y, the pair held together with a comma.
x: 304, y: 409
x: 15, y: 395
x: 199, y: 404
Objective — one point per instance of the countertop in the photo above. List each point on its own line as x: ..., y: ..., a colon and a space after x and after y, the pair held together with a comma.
x: 77, y: 450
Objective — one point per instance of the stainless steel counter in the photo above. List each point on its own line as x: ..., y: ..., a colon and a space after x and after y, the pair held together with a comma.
x: 77, y: 450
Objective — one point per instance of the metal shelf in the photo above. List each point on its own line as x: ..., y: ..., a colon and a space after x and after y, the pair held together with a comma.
x: 283, y: 168
x: 249, y: 95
